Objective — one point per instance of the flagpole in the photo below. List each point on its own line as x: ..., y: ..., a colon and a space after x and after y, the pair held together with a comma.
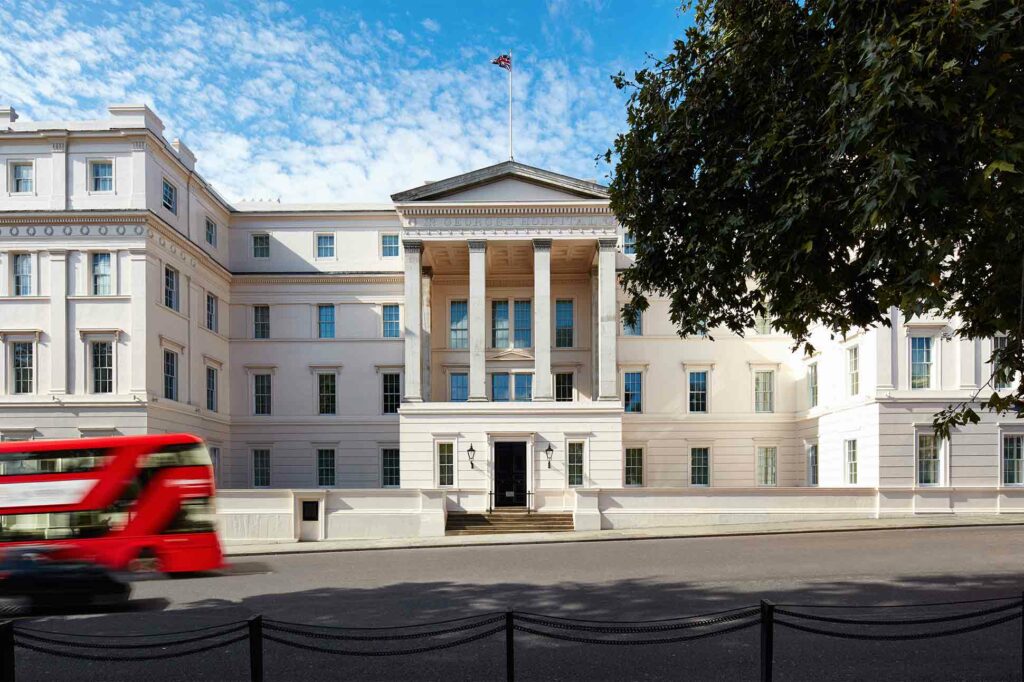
x: 511, y: 156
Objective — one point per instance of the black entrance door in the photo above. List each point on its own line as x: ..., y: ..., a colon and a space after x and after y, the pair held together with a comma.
x: 510, y: 474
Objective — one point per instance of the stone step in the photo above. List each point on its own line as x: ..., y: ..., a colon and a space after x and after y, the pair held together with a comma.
x: 508, y: 521
x: 492, y: 531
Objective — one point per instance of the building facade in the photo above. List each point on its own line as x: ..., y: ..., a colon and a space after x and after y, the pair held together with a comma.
x: 459, y: 348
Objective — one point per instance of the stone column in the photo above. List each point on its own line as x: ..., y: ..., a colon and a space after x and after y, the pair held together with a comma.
x: 608, y: 318
x: 477, y: 319
x: 428, y: 280
x: 542, y: 319
x: 59, y: 175
x: 58, y: 320
x: 413, y: 324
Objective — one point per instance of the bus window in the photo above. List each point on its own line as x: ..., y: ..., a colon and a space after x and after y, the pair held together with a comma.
x: 51, y: 462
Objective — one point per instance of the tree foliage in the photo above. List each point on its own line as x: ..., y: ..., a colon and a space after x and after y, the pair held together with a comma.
x: 821, y: 162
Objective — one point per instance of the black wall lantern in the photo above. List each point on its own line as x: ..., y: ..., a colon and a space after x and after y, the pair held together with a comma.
x: 472, y: 453
x: 550, y: 451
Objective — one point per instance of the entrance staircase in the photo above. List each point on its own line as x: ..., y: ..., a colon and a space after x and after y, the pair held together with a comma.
x: 507, y: 521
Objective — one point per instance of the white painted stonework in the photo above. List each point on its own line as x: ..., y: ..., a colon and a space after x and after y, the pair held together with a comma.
x: 414, y: 286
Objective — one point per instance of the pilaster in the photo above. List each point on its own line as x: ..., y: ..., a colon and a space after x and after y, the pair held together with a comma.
x: 413, y: 324
x: 608, y: 320
x: 58, y: 259
x: 477, y: 319
x: 542, y: 320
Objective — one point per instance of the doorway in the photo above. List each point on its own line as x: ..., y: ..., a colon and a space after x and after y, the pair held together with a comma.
x: 510, y: 474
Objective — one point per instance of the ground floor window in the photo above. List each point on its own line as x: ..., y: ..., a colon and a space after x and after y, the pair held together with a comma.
x: 700, y: 466
x: 575, y: 463
x: 1013, y: 454
x: 767, y: 465
x: 261, y: 468
x: 391, y: 476
x: 929, y: 471
x: 850, y: 448
x: 812, y: 464
x: 445, y: 464
x: 325, y: 467
x: 634, y: 466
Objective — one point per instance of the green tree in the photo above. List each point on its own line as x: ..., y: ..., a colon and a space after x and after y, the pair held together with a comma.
x: 820, y: 162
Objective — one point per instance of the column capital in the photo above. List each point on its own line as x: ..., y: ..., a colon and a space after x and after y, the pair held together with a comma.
x: 477, y: 244
x: 541, y: 244
x: 608, y: 242
x: 412, y: 244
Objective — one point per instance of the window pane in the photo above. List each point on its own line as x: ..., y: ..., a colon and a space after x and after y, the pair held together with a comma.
x: 812, y: 384
x: 22, y: 274
x: 391, y: 475
x: 102, y: 176
x: 459, y: 333
x: 635, y: 329
x: 524, y: 387
x: 564, y: 324
x: 851, y: 461
x: 261, y: 246
x: 261, y: 321
x: 499, y: 324
x: 764, y: 391
x: 632, y: 383
x: 171, y: 288
x: 928, y: 470
x: 261, y: 394
x: 392, y: 393
x: 700, y: 466
x: 575, y: 463
x: 23, y: 177
x: 102, y: 367
x: 523, y: 324
x: 261, y: 468
x: 325, y: 317
x: 211, y: 389
x: 170, y: 197
x: 767, y: 473
x: 327, y: 393
x: 325, y: 467
x: 445, y: 464
x: 499, y: 387
x: 392, y: 329
x: 634, y: 466
x: 170, y: 375
x: 628, y: 244
x: 24, y: 366
x: 211, y: 232
x: 211, y: 312
x: 853, y: 370
x: 698, y: 391
x: 920, y: 362
x: 458, y: 387
x: 999, y: 383
x: 812, y: 464
x: 389, y: 245
x: 563, y: 387
x: 101, y: 274
x: 325, y: 246
x: 1013, y: 453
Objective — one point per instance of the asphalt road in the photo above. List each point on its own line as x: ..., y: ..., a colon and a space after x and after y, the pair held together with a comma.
x: 630, y: 580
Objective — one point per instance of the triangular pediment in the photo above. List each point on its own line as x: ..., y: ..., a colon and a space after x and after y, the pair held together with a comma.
x: 506, y: 182
x: 511, y: 354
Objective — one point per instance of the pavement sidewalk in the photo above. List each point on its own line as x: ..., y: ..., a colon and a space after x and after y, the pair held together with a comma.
x: 254, y: 548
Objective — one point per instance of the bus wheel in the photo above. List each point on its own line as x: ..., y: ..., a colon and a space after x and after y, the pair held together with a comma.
x: 145, y: 562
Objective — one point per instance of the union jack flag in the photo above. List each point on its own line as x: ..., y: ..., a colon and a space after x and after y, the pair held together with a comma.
x: 504, y: 61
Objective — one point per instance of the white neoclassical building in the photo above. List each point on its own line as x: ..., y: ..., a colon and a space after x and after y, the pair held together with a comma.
x: 377, y: 369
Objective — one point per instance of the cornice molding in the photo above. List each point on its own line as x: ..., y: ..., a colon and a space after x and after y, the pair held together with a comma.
x: 318, y: 279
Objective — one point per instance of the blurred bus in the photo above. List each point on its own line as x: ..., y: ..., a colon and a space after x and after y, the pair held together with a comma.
x: 130, y: 502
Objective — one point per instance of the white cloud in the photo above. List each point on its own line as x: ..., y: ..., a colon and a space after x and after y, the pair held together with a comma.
x: 430, y: 25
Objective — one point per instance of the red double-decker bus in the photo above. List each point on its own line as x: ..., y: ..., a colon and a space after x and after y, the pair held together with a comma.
x: 130, y: 502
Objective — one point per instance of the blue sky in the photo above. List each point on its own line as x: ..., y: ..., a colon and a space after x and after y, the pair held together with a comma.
x: 341, y: 101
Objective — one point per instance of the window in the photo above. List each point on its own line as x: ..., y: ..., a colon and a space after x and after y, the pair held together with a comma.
x: 389, y: 245
x: 170, y: 197
x: 261, y: 246
x: 764, y: 391
x: 22, y: 274
x: 101, y: 176
x: 636, y: 329
x: 211, y: 233
x: 762, y: 325
x: 102, y: 366
x: 853, y: 370
x: 21, y: 178
x: 391, y: 468
x: 211, y: 312
x: 325, y: 467
x: 628, y: 243
x: 392, y: 392
x: 698, y: 401
x: 445, y: 464
x: 634, y: 466
x: 998, y: 344
x: 767, y: 460
x: 564, y: 387
x: 574, y: 464
x: 325, y: 321
x: 523, y: 387
x: 921, y: 362
x: 632, y: 394
x: 1013, y: 455
x: 458, y: 387
x: 101, y: 274
x: 700, y: 466
x: 812, y: 464
x: 564, y: 323
x: 812, y: 384
x: 170, y: 375
x: 499, y: 387
x: 215, y: 462
x: 260, y: 468
x: 261, y: 321
x: 23, y: 366
x: 327, y: 392
x: 211, y: 389
x: 261, y: 394
x: 929, y: 470
x: 392, y: 328
x: 850, y: 448
x: 523, y: 321
x: 458, y: 337
x: 325, y: 246
x: 170, y: 287
x: 499, y: 324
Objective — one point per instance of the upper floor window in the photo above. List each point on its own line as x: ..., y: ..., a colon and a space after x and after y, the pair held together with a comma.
x: 325, y: 321
x: 327, y: 392
x: 516, y: 332
x: 23, y: 366
x: 635, y: 329
x: 170, y: 197
x: 762, y: 325
x: 325, y: 246
x: 499, y: 324
x: 458, y: 387
x: 929, y: 469
x: 1000, y: 383
x: 632, y: 391
x: 1013, y: 459
x: 261, y: 321
x: 389, y: 245
x: 767, y: 465
x: 101, y: 176
x: 102, y: 366
x: 564, y: 386
x: 101, y: 274
x: 921, y: 361
x: 853, y: 370
x: 812, y: 384
x: 170, y: 287
x: 261, y: 246
x: 211, y: 389
x: 700, y: 466
x: 170, y: 375
x: 458, y: 336
x: 812, y: 464
x: 211, y: 312
x: 523, y: 329
x: 764, y: 391
x: 261, y: 393
x: 628, y: 243
x: 698, y: 400
x: 391, y: 322
x: 564, y: 323
x: 21, y: 178
x: 391, y: 391
x: 499, y: 387
x: 22, y: 274
x: 325, y: 467
x: 850, y: 449
x: 211, y: 232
